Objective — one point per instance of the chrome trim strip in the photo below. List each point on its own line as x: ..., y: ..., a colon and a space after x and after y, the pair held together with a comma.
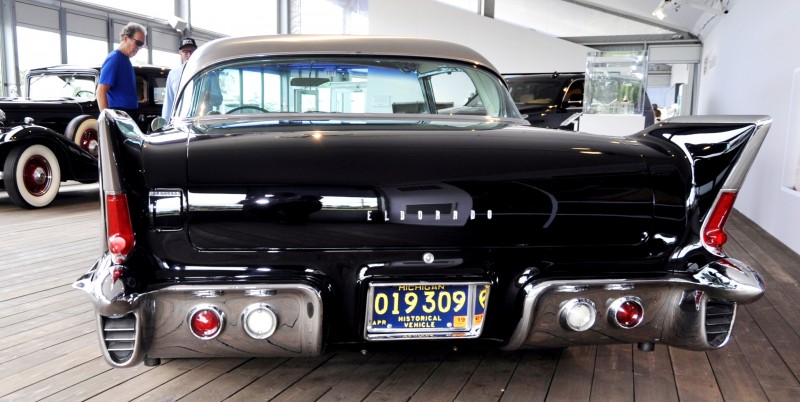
x: 109, y: 175
x: 276, y: 118
x: 167, y: 207
x: 742, y: 166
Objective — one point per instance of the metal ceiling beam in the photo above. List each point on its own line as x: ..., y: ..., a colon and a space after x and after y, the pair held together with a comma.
x: 633, y: 17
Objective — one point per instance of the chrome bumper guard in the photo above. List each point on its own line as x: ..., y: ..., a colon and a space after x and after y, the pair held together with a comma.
x: 155, y: 324
x: 681, y: 310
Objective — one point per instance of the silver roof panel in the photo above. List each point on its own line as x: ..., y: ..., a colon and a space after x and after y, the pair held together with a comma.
x: 221, y: 50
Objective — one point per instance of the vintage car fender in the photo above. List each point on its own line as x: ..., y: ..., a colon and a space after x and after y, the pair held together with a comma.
x: 76, y: 163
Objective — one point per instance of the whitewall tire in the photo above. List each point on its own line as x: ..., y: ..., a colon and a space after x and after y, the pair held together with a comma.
x: 32, y: 176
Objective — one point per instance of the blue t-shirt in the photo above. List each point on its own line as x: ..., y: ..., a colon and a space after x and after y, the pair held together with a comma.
x: 117, y: 73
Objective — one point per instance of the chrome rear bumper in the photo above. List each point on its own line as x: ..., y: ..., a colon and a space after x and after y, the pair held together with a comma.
x: 693, y: 311
x: 156, y: 324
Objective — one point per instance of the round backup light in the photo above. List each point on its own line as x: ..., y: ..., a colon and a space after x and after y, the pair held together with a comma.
x: 626, y: 312
x: 259, y: 321
x: 578, y: 314
x: 206, y: 321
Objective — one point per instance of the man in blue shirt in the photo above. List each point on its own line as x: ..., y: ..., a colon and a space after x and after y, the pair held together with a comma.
x: 116, y: 88
x: 186, y: 48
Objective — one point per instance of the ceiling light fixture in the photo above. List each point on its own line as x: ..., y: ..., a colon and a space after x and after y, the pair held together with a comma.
x: 661, y: 11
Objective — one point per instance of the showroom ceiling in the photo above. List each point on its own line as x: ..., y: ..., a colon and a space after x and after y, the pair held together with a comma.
x: 614, y: 20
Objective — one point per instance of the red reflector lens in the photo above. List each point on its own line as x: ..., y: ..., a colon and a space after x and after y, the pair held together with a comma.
x: 629, y: 314
x: 626, y: 312
x: 713, y: 235
x: 120, y: 231
x: 117, y: 244
x: 205, y: 323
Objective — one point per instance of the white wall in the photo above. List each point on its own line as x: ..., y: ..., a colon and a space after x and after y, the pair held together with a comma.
x: 512, y: 49
x: 748, y: 63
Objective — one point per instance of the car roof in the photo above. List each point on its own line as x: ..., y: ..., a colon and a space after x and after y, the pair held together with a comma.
x: 232, y: 48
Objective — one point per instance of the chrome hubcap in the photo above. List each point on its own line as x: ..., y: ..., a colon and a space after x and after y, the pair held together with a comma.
x: 39, y: 175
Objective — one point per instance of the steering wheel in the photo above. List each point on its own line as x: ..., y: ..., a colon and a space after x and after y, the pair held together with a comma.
x: 236, y: 109
x: 80, y: 94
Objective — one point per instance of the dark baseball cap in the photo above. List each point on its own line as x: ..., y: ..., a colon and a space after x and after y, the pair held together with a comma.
x: 187, y: 42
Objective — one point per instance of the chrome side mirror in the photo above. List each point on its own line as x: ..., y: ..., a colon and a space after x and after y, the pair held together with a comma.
x: 157, y: 123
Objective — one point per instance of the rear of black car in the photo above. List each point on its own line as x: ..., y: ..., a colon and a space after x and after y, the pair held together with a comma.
x: 246, y: 237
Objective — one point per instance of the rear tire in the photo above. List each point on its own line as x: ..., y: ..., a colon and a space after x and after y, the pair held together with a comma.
x: 32, y: 176
x: 82, y: 130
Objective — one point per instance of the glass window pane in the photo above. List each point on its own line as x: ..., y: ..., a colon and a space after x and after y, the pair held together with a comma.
x: 251, y: 17
x: 321, y: 17
x: 469, y: 5
x: 157, y: 8
x: 334, y: 17
x: 563, y: 19
x: 347, y: 85
x: 49, y: 86
x: 166, y: 59
x: 30, y: 54
x: 85, y: 51
x: 452, y: 89
x: 160, y: 90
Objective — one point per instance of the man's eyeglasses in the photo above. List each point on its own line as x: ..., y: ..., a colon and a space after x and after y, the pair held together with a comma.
x: 137, y: 41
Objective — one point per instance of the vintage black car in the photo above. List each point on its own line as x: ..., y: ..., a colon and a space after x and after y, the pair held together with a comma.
x: 320, y: 200
x: 51, y: 136
x: 555, y: 100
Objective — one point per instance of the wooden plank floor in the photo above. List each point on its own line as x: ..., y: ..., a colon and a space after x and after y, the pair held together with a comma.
x: 49, y: 351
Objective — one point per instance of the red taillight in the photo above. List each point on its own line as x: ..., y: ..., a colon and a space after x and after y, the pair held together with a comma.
x: 120, y: 231
x: 627, y: 312
x: 713, y: 235
x: 205, y: 322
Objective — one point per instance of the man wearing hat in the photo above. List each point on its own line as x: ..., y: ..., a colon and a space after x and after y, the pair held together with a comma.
x: 186, y: 48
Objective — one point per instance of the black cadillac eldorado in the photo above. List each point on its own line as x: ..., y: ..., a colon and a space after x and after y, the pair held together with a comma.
x: 309, y: 195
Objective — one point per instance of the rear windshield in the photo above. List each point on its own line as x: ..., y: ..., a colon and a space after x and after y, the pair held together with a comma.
x: 535, y: 90
x: 346, y: 85
x: 61, y: 85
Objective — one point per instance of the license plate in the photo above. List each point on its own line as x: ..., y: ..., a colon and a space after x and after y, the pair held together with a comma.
x: 420, y: 310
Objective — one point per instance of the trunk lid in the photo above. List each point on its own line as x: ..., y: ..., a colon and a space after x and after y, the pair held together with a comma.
x: 380, y: 185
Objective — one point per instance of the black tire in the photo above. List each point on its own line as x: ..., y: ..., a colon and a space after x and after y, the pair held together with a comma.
x: 32, y: 176
x: 82, y: 130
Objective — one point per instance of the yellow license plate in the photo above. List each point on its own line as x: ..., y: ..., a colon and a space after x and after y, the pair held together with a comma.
x: 407, y: 308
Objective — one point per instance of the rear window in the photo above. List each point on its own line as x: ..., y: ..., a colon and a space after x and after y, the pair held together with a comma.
x: 346, y: 85
x: 50, y: 86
